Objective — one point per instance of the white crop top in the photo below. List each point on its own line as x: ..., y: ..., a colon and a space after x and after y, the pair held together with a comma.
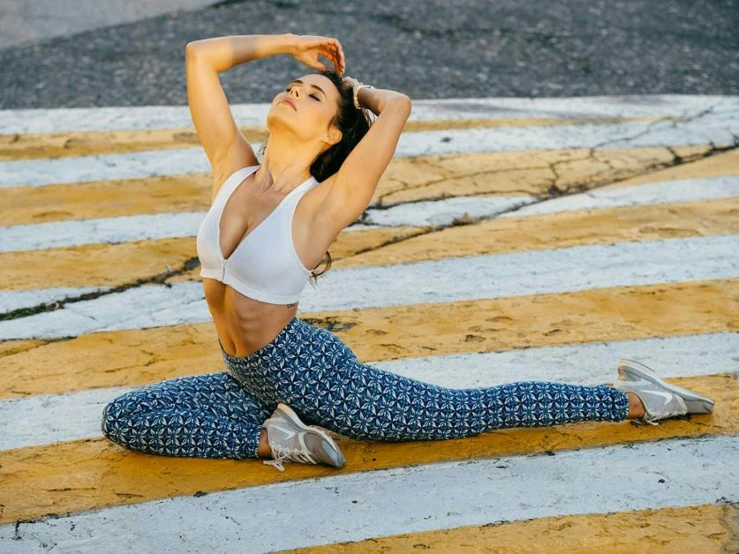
x: 265, y: 265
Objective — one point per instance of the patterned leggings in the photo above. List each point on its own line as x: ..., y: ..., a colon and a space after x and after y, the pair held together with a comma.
x: 220, y: 415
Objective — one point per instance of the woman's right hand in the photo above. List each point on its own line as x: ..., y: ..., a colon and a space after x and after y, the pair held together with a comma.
x: 307, y: 48
x: 350, y: 81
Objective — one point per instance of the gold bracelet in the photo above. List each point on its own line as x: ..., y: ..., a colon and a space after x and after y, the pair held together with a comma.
x: 357, y: 88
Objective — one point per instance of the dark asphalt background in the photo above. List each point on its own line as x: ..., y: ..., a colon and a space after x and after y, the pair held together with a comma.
x: 425, y: 49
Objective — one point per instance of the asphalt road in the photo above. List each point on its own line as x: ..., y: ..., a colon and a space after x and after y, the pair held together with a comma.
x: 426, y: 49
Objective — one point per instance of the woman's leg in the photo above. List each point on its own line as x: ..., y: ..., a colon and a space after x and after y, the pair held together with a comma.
x: 201, y: 416
x: 361, y: 401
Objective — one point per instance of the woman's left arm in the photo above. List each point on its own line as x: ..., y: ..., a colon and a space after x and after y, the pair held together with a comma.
x: 350, y: 189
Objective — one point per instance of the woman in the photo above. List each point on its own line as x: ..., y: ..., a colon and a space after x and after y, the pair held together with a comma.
x: 288, y: 383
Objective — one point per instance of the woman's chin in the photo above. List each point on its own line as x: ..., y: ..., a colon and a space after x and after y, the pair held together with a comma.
x: 277, y: 117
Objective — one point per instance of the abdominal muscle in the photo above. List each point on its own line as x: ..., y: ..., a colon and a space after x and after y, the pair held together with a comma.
x: 244, y: 325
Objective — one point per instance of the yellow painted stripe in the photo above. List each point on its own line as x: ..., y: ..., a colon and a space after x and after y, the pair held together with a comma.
x: 714, y: 165
x: 8, y: 348
x: 140, y: 356
x: 83, y: 475
x: 405, y: 180
x: 148, y: 260
x: 35, y: 146
x: 110, y: 198
x: 706, y: 528
x: 526, y: 172
x: 560, y: 230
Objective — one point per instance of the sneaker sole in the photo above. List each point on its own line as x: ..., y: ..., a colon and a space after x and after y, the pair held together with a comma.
x: 333, y: 452
x: 696, y: 403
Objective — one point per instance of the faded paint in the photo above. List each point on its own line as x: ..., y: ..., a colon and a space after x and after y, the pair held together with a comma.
x: 450, y: 109
x: 706, y: 528
x: 118, y: 264
x: 44, y: 419
x: 405, y: 179
x: 447, y: 280
x: 56, y: 474
x: 451, y: 483
x: 140, y: 356
x: 715, y: 128
x: 34, y: 146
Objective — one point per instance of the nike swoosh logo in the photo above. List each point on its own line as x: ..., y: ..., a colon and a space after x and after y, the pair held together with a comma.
x: 288, y: 432
x: 666, y: 395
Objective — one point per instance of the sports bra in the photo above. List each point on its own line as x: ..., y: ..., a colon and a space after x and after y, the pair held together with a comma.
x: 265, y: 265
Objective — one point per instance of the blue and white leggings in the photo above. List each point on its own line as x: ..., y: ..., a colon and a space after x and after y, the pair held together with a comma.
x: 220, y: 415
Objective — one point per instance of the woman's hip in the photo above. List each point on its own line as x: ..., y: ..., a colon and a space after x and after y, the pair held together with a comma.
x: 299, y: 352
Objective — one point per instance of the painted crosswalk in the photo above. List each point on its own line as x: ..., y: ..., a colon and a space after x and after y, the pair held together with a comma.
x: 543, y: 246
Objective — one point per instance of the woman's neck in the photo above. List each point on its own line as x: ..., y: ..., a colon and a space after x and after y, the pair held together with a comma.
x: 284, y: 165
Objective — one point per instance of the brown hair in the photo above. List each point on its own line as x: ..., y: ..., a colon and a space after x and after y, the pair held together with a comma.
x: 353, y: 124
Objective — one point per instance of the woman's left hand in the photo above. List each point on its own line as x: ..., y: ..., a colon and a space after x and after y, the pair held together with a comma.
x: 307, y: 48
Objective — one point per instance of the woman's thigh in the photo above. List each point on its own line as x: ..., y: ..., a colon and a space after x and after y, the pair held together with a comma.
x: 216, y: 393
x: 362, y: 401
x: 203, y: 416
x: 359, y: 400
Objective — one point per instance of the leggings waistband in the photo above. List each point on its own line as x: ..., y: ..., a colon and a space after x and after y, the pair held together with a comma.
x: 283, y: 338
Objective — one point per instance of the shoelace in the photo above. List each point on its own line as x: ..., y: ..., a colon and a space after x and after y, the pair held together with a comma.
x: 648, y: 418
x: 644, y: 421
x: 287, y: 453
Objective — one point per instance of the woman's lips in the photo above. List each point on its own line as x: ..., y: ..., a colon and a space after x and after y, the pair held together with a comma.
x: 287, y: 101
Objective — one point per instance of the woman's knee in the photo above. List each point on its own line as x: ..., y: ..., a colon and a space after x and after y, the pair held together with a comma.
x: 116, y: 414
x: 120, y: 413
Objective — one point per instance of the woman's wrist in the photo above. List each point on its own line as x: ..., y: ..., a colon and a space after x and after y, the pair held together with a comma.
x: 289, y: 43
x: 376, y: 99
x: 359, y: 86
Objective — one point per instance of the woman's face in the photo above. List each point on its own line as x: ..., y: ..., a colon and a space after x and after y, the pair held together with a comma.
x: 307, y: 106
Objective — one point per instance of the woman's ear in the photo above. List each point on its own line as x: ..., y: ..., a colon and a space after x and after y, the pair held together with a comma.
x: 334, y: 135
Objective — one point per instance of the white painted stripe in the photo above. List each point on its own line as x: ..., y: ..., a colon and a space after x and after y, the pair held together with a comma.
x: 666, y: 192
x: 16, y: 300
x: 364, y: 505
x: 587, y: 363
x: 131, y: 228
x: 444, y: 212
x: 48, y: 419
x: 448, y: 280
x: 718, y: 127
x: 57, y: 234
x: 250, y: 114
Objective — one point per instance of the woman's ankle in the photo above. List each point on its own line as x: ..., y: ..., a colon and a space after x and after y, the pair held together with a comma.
x: 264, y: 450
x: 636, y: 407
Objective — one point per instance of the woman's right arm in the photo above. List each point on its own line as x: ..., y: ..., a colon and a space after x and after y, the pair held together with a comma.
x: 224, y: 144
x: 223, y: 53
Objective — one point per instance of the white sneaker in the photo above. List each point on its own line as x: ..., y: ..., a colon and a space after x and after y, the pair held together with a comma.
x: 661, y: 399
x: 291, y: 439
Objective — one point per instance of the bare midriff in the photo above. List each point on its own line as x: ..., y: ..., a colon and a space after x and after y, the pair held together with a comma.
x: 244, y: 325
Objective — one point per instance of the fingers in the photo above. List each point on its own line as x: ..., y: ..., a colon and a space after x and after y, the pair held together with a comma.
x: 331, y: 49
x: 332, y: 54
x: 340, y: 56
x: 337, y: 54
